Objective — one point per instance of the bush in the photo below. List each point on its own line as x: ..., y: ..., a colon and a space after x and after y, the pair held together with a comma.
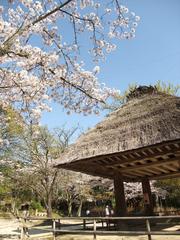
x: 36, y: 206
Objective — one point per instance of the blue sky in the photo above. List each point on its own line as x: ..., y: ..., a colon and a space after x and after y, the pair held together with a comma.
x: 153, y: 55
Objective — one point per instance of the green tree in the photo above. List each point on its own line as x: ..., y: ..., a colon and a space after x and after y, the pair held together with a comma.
x: 75, y: 189
x: 37, y: 150
x: 11, y: 127
x: 161, y: 86
x: 172, y: 188
x: 168, y: 87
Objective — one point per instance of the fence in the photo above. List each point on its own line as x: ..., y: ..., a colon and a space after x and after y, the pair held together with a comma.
x: 95, y: 222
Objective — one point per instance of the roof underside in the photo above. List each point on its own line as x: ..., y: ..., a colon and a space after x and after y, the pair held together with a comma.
x: 158, y: 161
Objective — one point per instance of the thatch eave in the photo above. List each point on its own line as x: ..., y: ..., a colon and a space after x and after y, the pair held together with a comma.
x: 145, y: 121
x: 63, y: 164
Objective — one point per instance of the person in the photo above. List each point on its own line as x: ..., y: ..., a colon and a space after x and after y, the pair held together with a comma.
x: 107, y: 211
x: 107, y: 214
x: 25, y: 215
x: 112, y: 212
x: 87, y: 212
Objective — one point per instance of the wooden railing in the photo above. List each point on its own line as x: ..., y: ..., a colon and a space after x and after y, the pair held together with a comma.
x: 94, y: 222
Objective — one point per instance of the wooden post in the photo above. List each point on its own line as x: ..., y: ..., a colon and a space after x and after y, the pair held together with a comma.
x: 24, y: 230
x: 148, y: 202
x: 148, y: 229
x: 102, y: 224
x: 59, y: 223
x: 120, y: 209
x: 21, y: 228
x: 22, y: 233
x: 94, y: 229
x: 54, y: 229
x: 84, y: 224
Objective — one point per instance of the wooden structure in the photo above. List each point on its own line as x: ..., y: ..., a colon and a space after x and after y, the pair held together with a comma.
x: 138, y: 142
x: 92, y: 226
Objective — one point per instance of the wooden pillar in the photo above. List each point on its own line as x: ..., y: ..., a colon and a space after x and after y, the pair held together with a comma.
x: 120, y: 209
x: 147, y: 196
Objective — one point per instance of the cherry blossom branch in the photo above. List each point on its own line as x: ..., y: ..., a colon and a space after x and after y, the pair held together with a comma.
x: 78, y: 88
x: 51, y: 12
x: 37, y: 71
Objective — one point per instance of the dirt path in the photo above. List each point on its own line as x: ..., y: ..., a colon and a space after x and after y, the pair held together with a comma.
x: 9, y: 226
x: 9, y: 229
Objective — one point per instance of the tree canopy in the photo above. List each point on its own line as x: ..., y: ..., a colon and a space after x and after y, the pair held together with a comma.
x: 40, y: 61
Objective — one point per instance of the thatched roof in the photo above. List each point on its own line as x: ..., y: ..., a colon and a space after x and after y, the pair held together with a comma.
x: 147, y: 119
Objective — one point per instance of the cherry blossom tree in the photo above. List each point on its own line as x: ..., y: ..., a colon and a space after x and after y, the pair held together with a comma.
x: 75, y: 189
x: 35, y: 153
x: 40, y: 52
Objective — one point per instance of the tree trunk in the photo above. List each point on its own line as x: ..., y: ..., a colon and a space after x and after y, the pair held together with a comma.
x: 80, y: 208
x: 69, y: 208
x: 49, y: 206
x: 13, y: 207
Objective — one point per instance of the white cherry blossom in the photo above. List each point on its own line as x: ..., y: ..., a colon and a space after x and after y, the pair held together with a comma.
x: 39, y: 63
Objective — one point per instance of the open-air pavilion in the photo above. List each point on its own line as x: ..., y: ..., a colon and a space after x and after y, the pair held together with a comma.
x: 138, y: 142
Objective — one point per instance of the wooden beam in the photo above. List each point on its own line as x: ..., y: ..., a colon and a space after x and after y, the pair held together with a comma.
x: 93, y: 170
x: 179, y: 164
x: 144, y: 152
x: 171, y: 168
x: 174, y: 146
x: 167, y: 147
x: 142, y: 172
x: 132, y: 173
x: 138, y: 172
x: 166, y: 176
x: 133, y: 178
x: 161, y: 169
x: 151, y: 151
x: 154, y: 157
x: 152, y: 164
x: 153, y: 171
x: 93, y: 166
x: 131, y: 156
x: 137, y: 154
x: 177, y: 145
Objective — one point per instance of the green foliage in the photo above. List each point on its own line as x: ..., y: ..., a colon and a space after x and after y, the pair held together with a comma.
x: 5, y: 190
x: 35, y: 205
x: 168, y: 88
x: 37, y: 149
x: 101, y: 192
x: 15, y: 123
x: 121, y: 99
x: 5, y: 170
x: 11, y: 128
x: 23, y: 194
x: 172, y: 187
